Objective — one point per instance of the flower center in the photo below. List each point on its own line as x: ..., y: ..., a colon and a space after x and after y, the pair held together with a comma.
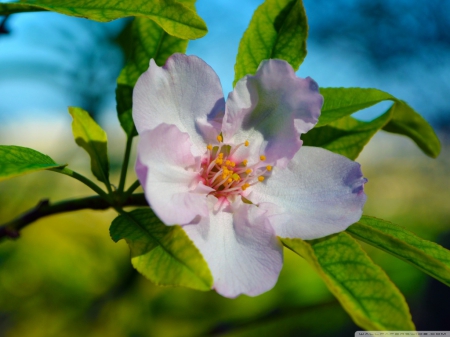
x: 228, y: 177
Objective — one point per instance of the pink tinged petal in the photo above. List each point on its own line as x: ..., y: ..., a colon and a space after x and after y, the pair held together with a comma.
x: 185, y: 90
x: 141, y: 172
x: 169, y: 175
x: 319, y: 193
x: 241, y: 250
x: 271, y: 110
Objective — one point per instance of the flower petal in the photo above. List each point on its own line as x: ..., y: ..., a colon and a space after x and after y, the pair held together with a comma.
x: 168, y: 173
x: 185, y: 90
x: 319, y: 193
x: 271, y: 110
x: 241, y: 250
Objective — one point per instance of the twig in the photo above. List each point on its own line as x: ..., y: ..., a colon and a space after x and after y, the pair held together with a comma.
x: 132, y: 188
x: 89, y: 183
x: 12, y: 228
x: 126, y: 159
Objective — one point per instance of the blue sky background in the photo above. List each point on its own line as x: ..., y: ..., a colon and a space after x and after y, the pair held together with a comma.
x: 50, y: 61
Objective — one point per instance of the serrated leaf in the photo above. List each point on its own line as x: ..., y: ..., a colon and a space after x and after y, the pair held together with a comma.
x: 18, y: 160
x: 175, y: 18
x: 91, y: 137
x: 362, y: 287
x: 164, y: 254
x: 346, y: 136
x: 278, y: 30
x: 339, y: 103
x: 428, y: 256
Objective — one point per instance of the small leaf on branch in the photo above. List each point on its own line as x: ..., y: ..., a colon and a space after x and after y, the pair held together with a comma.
x: 124, y: 96
x: 91, y: 137
x: 11, y: 8
x: 17, y: 160
x: 341, y: 102
x: 405, y: 121
x: 146, y: 40
x: 278, y: 30
x: 362, y: 287
x: 174, y: 17
x: 164, y: 254
x: 400, y: 118
x: 346, y: 136
x: 428, y: 256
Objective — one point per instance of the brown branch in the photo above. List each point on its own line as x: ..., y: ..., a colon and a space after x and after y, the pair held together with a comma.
x: 44, y: 208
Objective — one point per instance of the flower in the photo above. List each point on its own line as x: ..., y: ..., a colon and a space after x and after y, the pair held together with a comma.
x: 234, y: 175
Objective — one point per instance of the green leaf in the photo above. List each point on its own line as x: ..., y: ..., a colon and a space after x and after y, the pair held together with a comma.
x: 362, y: 287
x: 400, y: 118
x: 18, y: 160
x: 11, y: 8
x: 91, y: 137
x: 124, y: 95
x: 146, y: 40
x: 405, y: 121
x: 341, y: 102
x: 164, y: 254
x: 175, y: 18
x: 188, y: 3
x: 428, y: 256
x: 278, y: 30
x: 346, y: 136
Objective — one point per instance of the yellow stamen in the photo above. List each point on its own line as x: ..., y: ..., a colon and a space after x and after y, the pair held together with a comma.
x: 262, y: 157
x: 269, y: 168
x: 230, y: 180
x: 248, y: 171
x: 209, y: 147
x: 245, y: 186
x: 244, y: 162
x: 261, y: 178
x: 219, y: 138
x: 220, y: 155
x: 228, y: 163
x: 236, y: 177
x: 233, y: 164
x: 247, y: 143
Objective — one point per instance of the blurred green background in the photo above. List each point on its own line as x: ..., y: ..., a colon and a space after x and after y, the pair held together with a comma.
x: 65, y: 277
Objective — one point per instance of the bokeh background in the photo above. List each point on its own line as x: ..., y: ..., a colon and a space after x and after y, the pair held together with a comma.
x: 66, y: 277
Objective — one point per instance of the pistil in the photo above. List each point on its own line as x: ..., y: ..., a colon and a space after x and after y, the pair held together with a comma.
x: 227, y: 177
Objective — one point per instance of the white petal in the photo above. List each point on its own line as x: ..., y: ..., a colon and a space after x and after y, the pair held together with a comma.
x: 169, y: 175
x: 271, y: 110
x: 185, y: 92
x: 319, y: 193
x: 241, y: 250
